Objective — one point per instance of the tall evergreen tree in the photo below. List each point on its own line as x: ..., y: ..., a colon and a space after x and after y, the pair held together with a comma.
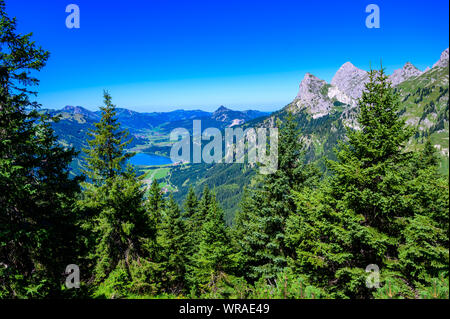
x: 173, y: 240
x: 213, y: 258
x: 189, y: 213
x: 427, y: 158
x: 269, y: 206
x: 199, y: 215
x: 122, y: 234
x: 364, y: 215
x: 190, y: 206
x: 106, y: 156
x: 37, y: 226
x: 155, y: 203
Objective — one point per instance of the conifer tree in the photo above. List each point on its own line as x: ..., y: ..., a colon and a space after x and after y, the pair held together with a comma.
x: 190, y: 207
x: 106, y: 156
x: 427, y: 158
x: 365, y: 214
x: 270, y: 205
x: 200, y: 215
x: 190, y: 210
x: 119, y: 214
x: 214, y: 254
x: 173, y: 240
x: 38, y: 228
x: 155, y: 203
x: 122, y: 234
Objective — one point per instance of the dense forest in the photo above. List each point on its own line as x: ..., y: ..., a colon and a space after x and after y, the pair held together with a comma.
x: 299, y: 233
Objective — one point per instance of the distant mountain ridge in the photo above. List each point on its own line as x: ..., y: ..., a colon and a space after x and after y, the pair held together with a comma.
x: 325, y: 109
x: 318, y: 97
x: 76, y: 121
x: 141, y: 120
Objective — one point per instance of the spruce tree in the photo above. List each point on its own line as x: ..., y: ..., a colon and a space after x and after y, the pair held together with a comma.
x: 155, y: 203
x: 38, y: 228
x: 190, y: 207
x: 213, y: 259
x: 190, y: 210
x: 173, y: 240
x: 370, y: 210
x: 122, y: 234
x: 269, y: 206
x: 106, y: 156
x: 200, y: 214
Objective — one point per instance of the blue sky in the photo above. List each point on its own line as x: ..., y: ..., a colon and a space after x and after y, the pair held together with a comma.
x: 160, y: 55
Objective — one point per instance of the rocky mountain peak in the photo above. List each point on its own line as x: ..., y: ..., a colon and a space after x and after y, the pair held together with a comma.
x: 222, y: 114
x: 74, y: 109
x: 309, y: 84
x: 350, y: 80
x: 310, y: 96
x: 78, y: 110
x: 403, y: 74
x: 443, y: 61
x: 222, y: 109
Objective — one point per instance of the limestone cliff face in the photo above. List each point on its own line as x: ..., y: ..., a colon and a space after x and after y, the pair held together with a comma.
x: 310, y: 96
x: 318, y: 97
x: 350, y: 80
x: 408, y: 71
x: 443, y: 61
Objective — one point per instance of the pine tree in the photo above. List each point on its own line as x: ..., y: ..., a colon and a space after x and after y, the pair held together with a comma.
x: 106, y: 156
x: 37, y: 225
x: 369, y: 209
x: 122, y: 234
x: 214, y: 254
x: 269, y: 206
x: 155, y: 203
x: 199, y: 215
x: 190, y: 210
x: 427, y: 158
x: 173, y: 240
x: 190, y: 207
x: 244, y: 231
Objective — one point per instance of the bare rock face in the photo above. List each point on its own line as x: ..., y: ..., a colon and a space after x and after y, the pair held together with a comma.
x: 408, y: 71
x: 443, y: 61
x: 335, y: 94
x: 311, y: 96
x: 350, y: 80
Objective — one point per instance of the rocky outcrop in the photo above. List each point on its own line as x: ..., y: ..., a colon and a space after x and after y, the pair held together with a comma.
x: 408, y: 71
x: 312, y: 96
x: 318, y: 98
x: 443, y: 61
x: 350, y: 80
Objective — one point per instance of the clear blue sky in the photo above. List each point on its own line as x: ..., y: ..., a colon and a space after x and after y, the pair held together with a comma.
x: 159, y: 55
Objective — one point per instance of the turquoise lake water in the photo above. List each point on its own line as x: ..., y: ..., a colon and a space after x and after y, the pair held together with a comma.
x: 146, y: 159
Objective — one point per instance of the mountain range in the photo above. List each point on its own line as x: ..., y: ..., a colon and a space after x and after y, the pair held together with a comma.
x: 323, y: 111
x: 149, y: 130
x: 423, y: 100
